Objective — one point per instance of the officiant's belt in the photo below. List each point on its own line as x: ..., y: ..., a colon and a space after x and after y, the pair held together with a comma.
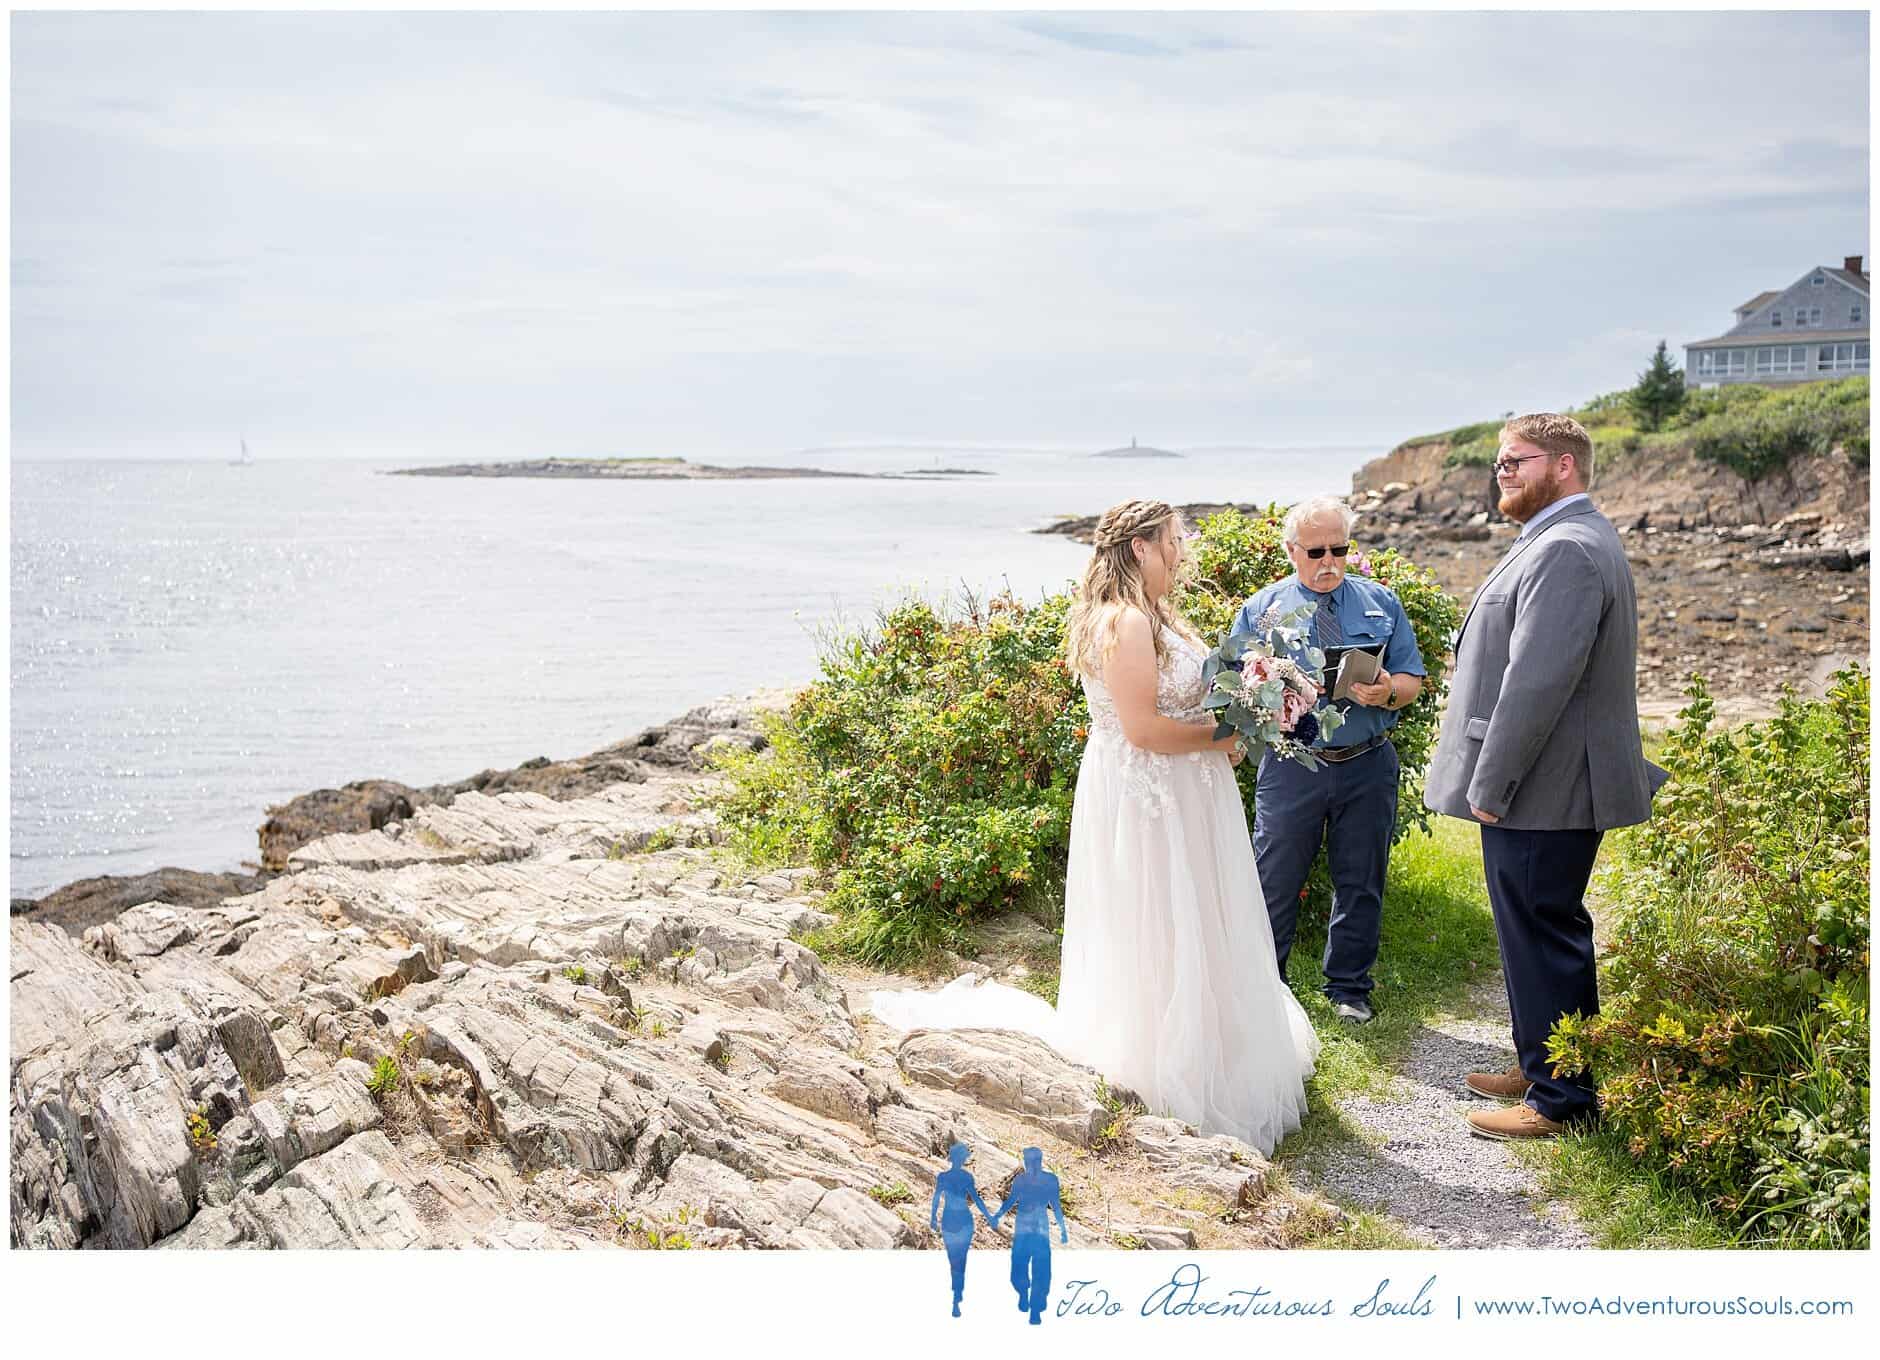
x: 1338, y: 753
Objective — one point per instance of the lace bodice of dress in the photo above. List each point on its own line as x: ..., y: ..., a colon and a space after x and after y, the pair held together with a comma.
x: 1179, y: 690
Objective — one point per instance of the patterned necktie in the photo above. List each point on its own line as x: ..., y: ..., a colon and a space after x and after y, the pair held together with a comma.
x: 1325, y: 624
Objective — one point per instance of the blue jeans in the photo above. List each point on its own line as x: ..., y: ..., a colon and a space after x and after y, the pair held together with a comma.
x: 1351, y: 808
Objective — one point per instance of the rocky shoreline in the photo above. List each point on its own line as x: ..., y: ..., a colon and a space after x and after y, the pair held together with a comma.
x: 664, y: 470
x: 680, y: 744
x: 516, y: 1020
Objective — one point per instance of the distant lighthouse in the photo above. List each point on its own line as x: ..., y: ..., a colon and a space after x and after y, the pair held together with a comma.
x: 1136, y: 450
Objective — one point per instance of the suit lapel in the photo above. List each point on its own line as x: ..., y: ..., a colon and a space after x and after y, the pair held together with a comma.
x: 1520, y: 546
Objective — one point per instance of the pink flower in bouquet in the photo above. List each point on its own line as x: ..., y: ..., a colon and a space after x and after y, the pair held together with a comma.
x: 1259, y: 669
x: 1292, y: 707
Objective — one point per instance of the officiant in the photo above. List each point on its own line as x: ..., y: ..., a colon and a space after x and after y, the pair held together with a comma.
x: 1350, y: 804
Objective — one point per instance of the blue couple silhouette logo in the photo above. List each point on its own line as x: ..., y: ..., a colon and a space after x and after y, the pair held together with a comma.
x: 1032, y: 1199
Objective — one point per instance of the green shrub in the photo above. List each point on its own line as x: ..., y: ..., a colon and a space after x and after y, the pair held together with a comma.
x: 1462, y: 434
x: 1756, y: 436
x: 1609, y: 408
x: 1701, y: 404
x: 1475, y: 453
x: 1732, y: 1045
x: 929, y: 769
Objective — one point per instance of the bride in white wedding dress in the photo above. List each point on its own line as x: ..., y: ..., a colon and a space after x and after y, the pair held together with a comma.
x: 1168, y: 984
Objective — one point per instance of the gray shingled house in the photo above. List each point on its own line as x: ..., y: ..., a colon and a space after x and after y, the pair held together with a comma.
x: 1815, y: 328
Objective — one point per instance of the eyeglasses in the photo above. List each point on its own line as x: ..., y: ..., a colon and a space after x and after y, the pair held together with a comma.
x: 1510, y: 464
x: 1336, y: 550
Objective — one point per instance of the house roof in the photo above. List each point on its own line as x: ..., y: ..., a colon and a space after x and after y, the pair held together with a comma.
x: 1804, y: 336
x: 1849, y: 277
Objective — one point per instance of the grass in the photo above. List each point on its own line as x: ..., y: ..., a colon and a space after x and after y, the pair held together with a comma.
x: 384, y: 1079
x: 1042, y: 983
x: 1438, y: 945
x: 1360, y: 1230
x: 1116, y: 1128
x: 1625, y: 1204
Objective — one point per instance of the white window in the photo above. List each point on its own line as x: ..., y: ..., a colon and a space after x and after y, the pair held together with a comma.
x: 1782, y: 359
x: 1850, y: 358
x: 1722, y: 363
x: 1775, y: 317
x: 1857, y: 314
x: 1808, y: 316
x: 1819, y: 281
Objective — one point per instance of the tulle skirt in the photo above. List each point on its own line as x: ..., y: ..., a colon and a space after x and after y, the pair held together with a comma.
x: 1168, y: 984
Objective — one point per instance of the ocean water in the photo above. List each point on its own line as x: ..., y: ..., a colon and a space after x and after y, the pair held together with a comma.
x: 192, y: 641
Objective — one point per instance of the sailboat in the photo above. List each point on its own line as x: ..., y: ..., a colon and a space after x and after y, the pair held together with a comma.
x: 246, y: 460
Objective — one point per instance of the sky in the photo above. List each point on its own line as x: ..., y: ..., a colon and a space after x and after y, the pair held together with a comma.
x: 714, y: 236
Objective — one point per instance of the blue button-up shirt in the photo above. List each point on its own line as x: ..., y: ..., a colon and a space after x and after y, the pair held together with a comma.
x: 1368, y: 614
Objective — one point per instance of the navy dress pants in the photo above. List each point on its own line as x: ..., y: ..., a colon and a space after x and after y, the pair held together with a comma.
x: 1350, y: 807
x: 1537, y: 890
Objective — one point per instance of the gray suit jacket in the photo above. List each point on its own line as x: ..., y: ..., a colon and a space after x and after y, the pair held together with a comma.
x: 1542, y: 725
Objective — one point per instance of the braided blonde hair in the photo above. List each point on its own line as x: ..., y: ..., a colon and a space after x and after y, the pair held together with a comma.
x: 1113, y: 582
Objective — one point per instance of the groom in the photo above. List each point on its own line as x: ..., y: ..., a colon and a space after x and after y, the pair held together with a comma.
x: 1540, y: 745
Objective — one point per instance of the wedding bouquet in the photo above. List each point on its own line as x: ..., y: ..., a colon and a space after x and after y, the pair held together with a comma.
x: 1258, y: 690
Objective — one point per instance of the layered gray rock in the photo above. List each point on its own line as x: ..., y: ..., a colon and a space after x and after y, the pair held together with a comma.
x: 498, y: 1024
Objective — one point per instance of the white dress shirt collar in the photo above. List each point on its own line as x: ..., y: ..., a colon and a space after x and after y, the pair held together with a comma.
x: 1564, y: 503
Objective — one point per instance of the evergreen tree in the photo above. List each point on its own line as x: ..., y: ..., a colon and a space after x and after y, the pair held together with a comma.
x: 1658, y: 393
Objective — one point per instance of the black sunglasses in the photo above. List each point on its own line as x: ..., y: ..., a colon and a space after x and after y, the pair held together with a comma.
x: 1336, y: 550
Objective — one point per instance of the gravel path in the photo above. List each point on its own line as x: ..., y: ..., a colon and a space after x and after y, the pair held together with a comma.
x: 1428, y: 1172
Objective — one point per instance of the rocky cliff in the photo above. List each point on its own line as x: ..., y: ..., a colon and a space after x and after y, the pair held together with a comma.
x: 1751, y: 584
x: 1671, y: 489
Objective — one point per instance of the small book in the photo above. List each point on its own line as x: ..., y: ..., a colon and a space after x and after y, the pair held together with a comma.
x: 1356, y: 667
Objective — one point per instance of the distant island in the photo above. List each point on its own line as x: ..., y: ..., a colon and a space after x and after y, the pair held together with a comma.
x: 659, y: 470
x: 1136, y: 450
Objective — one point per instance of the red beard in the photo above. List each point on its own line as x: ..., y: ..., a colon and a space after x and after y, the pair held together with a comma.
x: 1528, y: 500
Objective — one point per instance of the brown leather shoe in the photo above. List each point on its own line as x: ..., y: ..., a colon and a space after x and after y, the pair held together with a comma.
x: 1516, y: 1123
x: 1506, y: 1087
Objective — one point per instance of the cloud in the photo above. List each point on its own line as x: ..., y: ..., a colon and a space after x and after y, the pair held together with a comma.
x: 1092, y: 40
x: 745, y: 230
